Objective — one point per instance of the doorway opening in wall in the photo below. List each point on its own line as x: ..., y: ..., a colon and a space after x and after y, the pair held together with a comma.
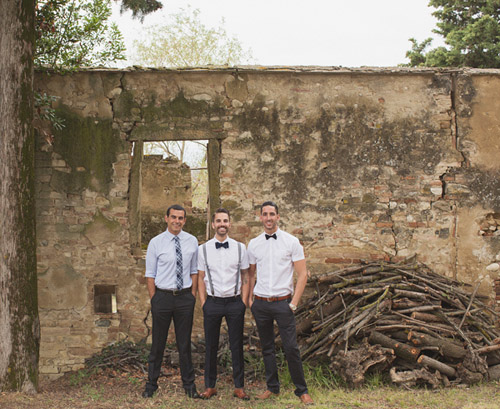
x: 174, y: 172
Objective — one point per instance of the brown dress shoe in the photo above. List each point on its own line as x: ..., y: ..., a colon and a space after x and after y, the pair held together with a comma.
x: 241, y: 394
x: 306, y: 399
x: 266, y: 395
x: 209, y: 392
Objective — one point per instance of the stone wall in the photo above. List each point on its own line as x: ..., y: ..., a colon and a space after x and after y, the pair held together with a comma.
x: 164, y: 182
x: 366, y: 164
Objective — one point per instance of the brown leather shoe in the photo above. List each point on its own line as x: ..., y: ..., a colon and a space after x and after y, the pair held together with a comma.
x: 266, y: 395
x: 241, y: 394
x: 209, y: 392
x: 306, y: 399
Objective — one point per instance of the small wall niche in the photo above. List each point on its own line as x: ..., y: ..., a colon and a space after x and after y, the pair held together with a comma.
x: 105, y: 299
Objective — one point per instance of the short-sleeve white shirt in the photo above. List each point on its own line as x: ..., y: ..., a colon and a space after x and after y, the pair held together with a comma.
x: 274, y: 260
x: 223, y: 266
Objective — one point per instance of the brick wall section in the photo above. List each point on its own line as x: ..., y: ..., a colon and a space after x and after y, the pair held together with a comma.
x: 366, y: 164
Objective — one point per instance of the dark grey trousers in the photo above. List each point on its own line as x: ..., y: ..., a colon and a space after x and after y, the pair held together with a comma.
x: 164, y: 308
x: 265, y: 313
x: 233, y: 309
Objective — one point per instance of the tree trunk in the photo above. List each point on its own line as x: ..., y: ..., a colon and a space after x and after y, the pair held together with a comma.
x: 19, y: 324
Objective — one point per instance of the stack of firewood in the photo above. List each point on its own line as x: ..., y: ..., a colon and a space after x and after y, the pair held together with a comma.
x: 418, y: 326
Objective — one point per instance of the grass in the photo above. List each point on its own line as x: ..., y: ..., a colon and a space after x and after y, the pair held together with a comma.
x: 104, y: 392
x: 109, y: 388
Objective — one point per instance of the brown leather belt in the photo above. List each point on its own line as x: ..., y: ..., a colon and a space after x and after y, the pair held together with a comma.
x: 273, y: 299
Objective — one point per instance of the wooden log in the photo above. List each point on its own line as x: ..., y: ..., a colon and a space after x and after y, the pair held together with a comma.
x: 487, y: 349
x: 401, y: 349
x: 420, y: 308
x: 331, y: 308
x: 447, y: 348
x: 469, y: 377
x: 336, y: 276
x: 413, y: 377
x: 422, y: 316
x: 447, y: 370
x: 363, y: 291
x: 352, y: 365
x: 412, y: 294
x: 494, y: 373
x: 400, y: 303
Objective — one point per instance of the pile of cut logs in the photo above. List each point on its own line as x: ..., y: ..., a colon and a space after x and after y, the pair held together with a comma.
x: 402, y: 319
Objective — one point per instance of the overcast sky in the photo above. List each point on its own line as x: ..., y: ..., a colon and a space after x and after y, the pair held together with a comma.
x: 348, y: 33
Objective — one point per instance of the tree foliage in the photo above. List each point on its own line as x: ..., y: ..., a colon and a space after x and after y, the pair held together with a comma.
x: 471, y: 30
x: 76, y: 33
x: 140, y: 8
x: 184, y: 41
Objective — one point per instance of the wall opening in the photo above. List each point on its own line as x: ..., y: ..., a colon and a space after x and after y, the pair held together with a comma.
x: 105, y: 299
x: 159, y: 178
x: 174, y: 172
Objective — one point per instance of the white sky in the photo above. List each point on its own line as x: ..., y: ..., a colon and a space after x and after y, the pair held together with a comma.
x: 348, y: 33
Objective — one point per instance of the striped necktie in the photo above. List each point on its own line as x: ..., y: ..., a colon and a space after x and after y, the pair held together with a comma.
x: 178, y: 267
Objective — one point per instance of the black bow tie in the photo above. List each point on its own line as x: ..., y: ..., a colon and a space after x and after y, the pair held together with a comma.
x: 268, y: 236
x: 219, y: 245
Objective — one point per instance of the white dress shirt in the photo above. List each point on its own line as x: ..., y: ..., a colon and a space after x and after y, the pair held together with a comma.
x: 274, y: 260
x: 161, y: 261
x: 223, y: 265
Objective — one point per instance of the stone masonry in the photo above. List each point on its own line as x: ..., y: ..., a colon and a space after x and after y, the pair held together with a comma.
x: 366, y: 164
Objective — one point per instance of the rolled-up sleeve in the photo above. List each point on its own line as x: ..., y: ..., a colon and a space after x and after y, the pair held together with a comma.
x: 151, y: 260
x: 201, y: 259
x: 194, y: 259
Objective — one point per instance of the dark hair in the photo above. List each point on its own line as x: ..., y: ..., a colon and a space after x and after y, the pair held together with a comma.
x: 176, y: 207
x: 221, y: 210
x: 269, y: 203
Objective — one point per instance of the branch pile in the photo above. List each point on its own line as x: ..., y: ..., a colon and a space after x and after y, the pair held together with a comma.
x: 404, y: 319
x: 121, y: 356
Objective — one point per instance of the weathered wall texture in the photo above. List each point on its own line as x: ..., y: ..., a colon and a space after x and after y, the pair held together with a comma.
x: 365, y: 164
x: 164, y: 182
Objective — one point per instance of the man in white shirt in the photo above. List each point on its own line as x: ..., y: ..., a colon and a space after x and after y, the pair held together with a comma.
x: 172, y: 285
x: 223, y: 275
x: 273, y: 256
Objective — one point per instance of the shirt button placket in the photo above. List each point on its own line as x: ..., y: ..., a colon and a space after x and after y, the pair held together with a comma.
x: 271, y: 270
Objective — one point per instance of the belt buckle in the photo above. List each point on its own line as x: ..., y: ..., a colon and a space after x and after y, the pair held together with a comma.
x: 271, y: 299
x: 176, y: 292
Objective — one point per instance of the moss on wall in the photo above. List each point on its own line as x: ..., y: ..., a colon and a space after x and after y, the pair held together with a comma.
x: 175, y: 110
x: 197, y: 227
x: 89, y: 147
x: 346, y: 139
x: 486, y: 187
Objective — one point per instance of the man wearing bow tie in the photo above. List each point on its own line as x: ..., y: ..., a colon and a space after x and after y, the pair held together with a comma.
x: 223, y: 288
x: 273, y: 256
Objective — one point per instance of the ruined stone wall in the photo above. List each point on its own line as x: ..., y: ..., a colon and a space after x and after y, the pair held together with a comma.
x: 365, y: 165
x: 164, y: 182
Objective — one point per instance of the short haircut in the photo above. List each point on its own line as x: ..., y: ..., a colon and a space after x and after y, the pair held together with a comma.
x: 269, y: 203
x: 221, y: 210
x: 176, y: 207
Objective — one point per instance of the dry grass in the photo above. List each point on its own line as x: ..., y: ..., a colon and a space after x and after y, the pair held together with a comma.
x: 123, y: 390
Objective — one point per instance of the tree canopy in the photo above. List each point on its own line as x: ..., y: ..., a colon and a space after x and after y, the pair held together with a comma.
x: 185, y: 41
x: 471, y: 30
x: 76, y: 33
